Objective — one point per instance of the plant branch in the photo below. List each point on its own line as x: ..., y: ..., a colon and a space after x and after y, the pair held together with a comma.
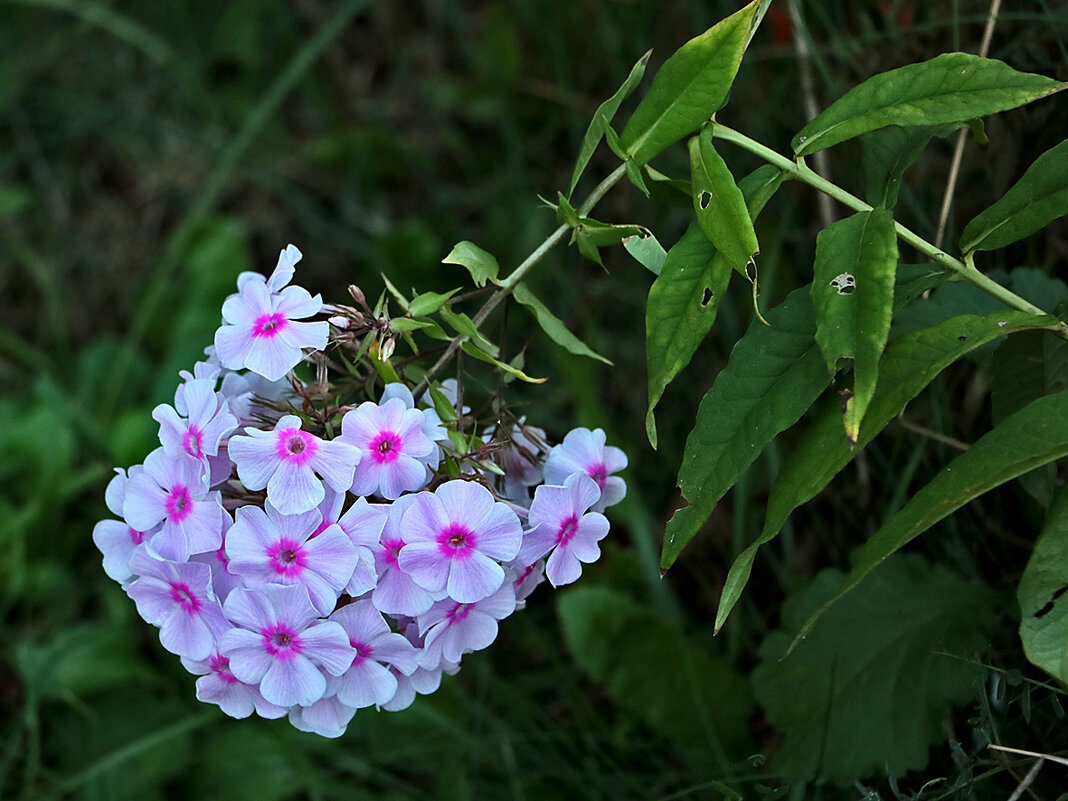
x: 798, y: 170
x: 509, y: 284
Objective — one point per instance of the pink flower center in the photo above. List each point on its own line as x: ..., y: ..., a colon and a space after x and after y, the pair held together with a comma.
x: 136, y: 537
x: 295, y: 446
x: 386, y: 447
x: 456, y: 542
x: 363, y: 651
x: 458, y: 613
x: 599, y: 473
x: 390, y: 551
x: 281, y: 641
x: 269, y: 325
x: 287, y: 558
x: 220, y: 666
x: 192, y: 442
x: 184, y: 597
x: 179, y: 504
x: 567, y: 530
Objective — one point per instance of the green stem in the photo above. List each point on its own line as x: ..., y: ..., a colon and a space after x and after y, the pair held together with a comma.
x: 509, y: 284
x: 798, y: 170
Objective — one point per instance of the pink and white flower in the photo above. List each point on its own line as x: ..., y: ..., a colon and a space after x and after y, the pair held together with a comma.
x: 200, y: 429
x: 398, y: 453
x: 217, y: 685
x: 396, y: 593
x: 561, y: 528
x: 280, y: 645
x: 584, y: 451
x: 286, y: 460
x: 115, y: 538
x: 267, y: 547
x: 451, y: 629
x: 260, y: 328
x: 177, y: 597
x: 368, y: 681
x: 174, y: 491
x: 456, y: 538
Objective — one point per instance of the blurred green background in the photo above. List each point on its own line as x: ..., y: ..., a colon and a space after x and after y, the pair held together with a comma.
x: 151, y: 151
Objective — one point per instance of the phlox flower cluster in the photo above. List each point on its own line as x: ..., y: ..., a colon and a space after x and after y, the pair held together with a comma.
x: 307, y: 554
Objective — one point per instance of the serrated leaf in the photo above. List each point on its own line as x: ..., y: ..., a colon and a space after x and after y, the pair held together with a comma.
x: 1043, y: 595
x: 950, y: 88
x: 429, y: 302
x: 908, y: 365
x: 867, y: 691
x: 697, y: 700
x: 852, y: 297
x: 472, y: 349
x: 601, y: 119
x: 1034, y: 436
x: 482, y: 265
x: 553, y: 325
x: 690, y: 86
x: 719, y: 203
x: 890, y: 151
x: 774, y: 374
x: 647, y: 250
x: 1037, y: 199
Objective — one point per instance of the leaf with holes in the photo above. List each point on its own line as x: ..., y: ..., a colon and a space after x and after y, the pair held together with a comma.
x: 719, y: 203
x: 1037, y: 199
x: 774, y: 374
x: 908, y: 365
x: 950, y: 88
x: 867, y: 691
x: 648, y: 252
x: 1034, y: 436
x: 554, y: 326
x: 853, y: 297
x: 690, y: 86
x: 1043, y: 595
x: 601, y: 119
x: 683, y: 301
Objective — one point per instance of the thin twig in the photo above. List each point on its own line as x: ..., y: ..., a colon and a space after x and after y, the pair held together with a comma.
x: 1028, y: 779
x: 1022, y: 752
x: 936, y: 436
x: 958, y: 150
x: 812, y: 109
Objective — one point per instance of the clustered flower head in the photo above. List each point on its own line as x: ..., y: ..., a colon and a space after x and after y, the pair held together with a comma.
x: 307, y: 550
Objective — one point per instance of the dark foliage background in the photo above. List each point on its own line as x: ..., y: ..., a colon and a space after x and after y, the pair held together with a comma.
x: 151, y: 151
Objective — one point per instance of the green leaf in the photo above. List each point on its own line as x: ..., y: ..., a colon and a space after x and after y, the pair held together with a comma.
x: 682, y: 305
x: 398, y: 296
x: 681, y: 309
x: 554, y: 326
x: 912, y: 280
x: 1024, y: 367
x: 462, y: 324
x: 401, y: 325
x: 950, y: 88
x: 1034, y: 436
x: 890, y: 151
x: 429, y: 302
x: 667, y: 190
x: 774, y: 374
x: 482, y: 265
x: 445, y: 409
x: 472, y: 349
x: 853, y: 296
x: 689, y: 87
x: 1043, y: 603
x: 601, y: 119
x: 602, y: 234
x: 719, y: 203
x: 1037, y: 199
x: 697, y: 700
x: 649, y: 253
x: 867, y: 691
x: 908, y: 365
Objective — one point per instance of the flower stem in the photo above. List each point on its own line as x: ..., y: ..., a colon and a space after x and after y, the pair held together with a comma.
x: 509, y: 283
x: 798, y: 170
